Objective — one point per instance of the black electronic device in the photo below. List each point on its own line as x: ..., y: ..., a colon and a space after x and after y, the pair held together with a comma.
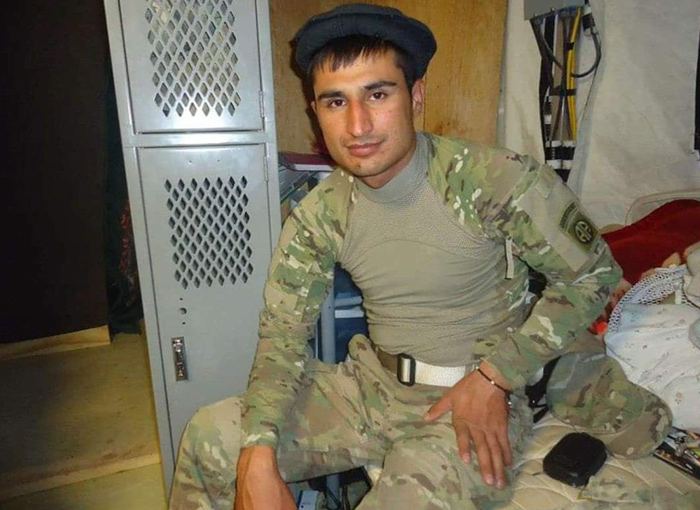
x: 575, y: 458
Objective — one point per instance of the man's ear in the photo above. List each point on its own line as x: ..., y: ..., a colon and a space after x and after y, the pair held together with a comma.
x: 418, y: 96
x: 313, y: 105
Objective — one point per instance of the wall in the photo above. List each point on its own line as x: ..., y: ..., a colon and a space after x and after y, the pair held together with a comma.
x: 462, y: 81
x: 636, y: 137
x: 52, y: 268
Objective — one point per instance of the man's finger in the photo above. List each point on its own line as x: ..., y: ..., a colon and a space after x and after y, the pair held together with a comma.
x: 463, y: 443
x: 505, y: 446
x: 438, y: 409
x: 483, y: 455
x: 496, y: 459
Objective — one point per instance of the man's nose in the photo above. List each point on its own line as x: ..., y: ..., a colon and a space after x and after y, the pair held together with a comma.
x: 359, y: 121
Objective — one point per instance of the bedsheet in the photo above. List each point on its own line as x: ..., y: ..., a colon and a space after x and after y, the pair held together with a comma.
x: 534, y: 490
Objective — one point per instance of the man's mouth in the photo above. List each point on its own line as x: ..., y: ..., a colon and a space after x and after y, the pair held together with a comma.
x: 363, y: 150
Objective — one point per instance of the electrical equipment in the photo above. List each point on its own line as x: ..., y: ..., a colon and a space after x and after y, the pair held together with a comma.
x: 557, y: 33
x: 536, y: 8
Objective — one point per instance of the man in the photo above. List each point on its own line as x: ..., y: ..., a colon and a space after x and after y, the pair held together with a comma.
x: 436, y: 233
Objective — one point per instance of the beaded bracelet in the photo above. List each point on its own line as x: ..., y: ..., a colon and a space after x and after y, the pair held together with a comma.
x: 493, y: 383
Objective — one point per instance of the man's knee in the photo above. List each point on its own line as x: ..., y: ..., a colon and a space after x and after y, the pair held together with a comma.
x: 592, y: 393
x: 645, y: 433
x: 206, y: 465
x: 213, y: 433
x: 416, y: 474
x: 429, y: 474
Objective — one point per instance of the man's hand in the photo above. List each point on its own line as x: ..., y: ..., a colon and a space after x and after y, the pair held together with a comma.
x: 480, y: 414
x: 259, y: 485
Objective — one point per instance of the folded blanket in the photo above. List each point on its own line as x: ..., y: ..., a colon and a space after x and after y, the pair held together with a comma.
x: 648, y: 242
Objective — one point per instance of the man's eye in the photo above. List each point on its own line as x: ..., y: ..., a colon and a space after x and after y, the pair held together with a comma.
x: 335, y: 103
x: 378, y: 95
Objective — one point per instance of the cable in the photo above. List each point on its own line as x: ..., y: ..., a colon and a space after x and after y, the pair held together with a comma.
x: 560, y: 127
x: 556, y: 129
x: 570, y: 81
x: 546, y: 84
x: 589, y: 26
x: 588, y: 96
x: 338, y: 505
x: 598, y: 57
x: 556, y: 62
x: 539, y: 39
x: 553, y: 58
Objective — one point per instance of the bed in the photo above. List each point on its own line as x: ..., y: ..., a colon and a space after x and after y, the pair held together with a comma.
x: 647, y: 483
x: 534, y: 490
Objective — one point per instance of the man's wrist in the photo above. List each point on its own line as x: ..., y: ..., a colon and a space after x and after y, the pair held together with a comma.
x: 490, y: 373
x: 262, y: 456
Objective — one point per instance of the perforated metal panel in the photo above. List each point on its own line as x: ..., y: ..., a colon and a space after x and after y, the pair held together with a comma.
x: 193, y: 64
x: 209, y: 222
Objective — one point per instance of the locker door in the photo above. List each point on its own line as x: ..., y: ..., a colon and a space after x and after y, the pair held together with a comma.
x: 208, y: 231
x: 193, y: 65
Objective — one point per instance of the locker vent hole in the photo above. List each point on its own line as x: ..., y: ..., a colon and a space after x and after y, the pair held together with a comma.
x: 208, y: 221
x: 193, y: 58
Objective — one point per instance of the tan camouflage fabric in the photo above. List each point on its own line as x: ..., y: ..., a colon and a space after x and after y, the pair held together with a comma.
x: 589, y: 391
x: 510, y: 198
x: 431, y: 286
x: 328, y: 418
x: 357, y: 414
x: 348, y: 415
x: 611, y: 494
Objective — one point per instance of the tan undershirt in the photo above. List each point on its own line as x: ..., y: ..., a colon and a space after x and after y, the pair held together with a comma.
x: 430, y: 288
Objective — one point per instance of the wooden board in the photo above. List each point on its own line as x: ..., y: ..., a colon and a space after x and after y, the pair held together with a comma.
x: 137, y: 489
x: 463, y: 79
x: 71, y: 416
x: 294, y: 128
x: 68, y: 342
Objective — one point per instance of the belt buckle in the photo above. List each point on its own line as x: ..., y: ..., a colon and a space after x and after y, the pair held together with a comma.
x: 406, y: 369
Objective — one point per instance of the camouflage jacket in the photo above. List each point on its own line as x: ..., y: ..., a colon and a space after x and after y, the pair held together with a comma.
x: 511, y: 199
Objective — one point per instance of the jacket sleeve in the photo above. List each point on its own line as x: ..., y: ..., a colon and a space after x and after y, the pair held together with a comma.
x: 544, y: 225
x: 298, y: 280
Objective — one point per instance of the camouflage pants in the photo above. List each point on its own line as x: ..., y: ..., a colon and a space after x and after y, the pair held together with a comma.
x: 356, y: 413
x: 347, y: 415
x: 589, y: 391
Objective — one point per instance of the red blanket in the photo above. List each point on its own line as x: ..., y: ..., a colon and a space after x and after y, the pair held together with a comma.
x: 647, y: 243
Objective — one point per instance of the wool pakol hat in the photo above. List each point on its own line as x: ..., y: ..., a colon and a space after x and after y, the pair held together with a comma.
x: 386, y: 23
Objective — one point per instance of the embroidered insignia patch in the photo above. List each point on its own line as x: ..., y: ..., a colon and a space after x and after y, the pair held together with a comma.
x: 578, y: 226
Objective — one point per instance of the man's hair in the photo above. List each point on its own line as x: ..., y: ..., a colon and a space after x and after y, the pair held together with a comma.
x: 343, y: 51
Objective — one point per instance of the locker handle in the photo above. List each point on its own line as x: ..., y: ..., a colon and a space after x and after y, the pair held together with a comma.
x: 179, y: 358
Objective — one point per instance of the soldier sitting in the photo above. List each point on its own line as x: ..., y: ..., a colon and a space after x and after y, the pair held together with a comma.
x: 438, y: 234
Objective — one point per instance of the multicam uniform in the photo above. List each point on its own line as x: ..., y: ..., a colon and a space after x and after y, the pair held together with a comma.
x: 325, y: 418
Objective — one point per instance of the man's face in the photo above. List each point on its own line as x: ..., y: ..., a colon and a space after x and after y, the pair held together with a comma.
x: 366, y: 112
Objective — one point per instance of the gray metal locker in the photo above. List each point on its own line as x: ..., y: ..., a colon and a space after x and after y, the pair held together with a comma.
x: 196, y: 109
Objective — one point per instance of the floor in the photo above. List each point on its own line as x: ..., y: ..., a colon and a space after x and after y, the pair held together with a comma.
x: 136, y: 489
x: 78, y: 430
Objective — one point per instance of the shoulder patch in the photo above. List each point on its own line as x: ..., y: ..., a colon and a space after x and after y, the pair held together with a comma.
x: 555, y: 212
x: 577, y: 226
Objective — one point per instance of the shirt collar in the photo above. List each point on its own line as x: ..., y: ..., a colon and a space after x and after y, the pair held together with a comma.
x: 405, y: 181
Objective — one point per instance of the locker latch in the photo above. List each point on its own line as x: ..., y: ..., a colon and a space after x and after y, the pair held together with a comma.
x: 179, y: 357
